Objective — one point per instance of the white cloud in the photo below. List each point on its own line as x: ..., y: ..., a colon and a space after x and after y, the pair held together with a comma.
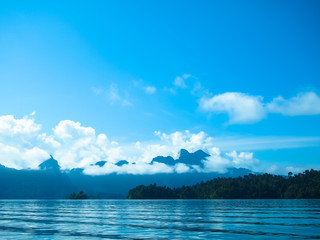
x: 172, y: 143
x: 9, y: 126
x: 181, y: 168
x: 19, y: 142
x: 20, y: 157
x: 77, y: 146
x: 150, y: 90
x: 82, y: 147
x: 215, y: 162
x: 146, y: 88
x: 115, y: 97
x: 303, y: 104
x: 243, y: 108
x: 219, y: 163
x: 70, y: 129
x: 240, y: 107
x: 49, y: 141
x: 180, y: 81
x: 243, y: 159
x: 138, y: 168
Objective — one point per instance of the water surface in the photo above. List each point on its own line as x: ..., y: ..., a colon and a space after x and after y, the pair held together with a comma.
x: 160, y: 219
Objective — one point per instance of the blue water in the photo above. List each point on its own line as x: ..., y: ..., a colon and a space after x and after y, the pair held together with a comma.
x: 159, y: 219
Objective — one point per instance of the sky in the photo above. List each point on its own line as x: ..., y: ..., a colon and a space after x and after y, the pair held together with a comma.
x: 113, y: 80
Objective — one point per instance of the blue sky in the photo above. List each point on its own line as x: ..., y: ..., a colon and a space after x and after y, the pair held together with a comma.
x: 244, y: 73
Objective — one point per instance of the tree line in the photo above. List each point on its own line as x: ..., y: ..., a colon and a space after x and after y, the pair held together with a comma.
x: 265, y: 186
x: 79, y: 195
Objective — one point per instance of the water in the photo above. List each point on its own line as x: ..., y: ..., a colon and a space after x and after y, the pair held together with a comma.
x: 159, y: 219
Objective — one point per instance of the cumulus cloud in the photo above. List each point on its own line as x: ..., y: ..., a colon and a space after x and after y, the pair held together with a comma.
x: 81, y: 146
x: 140, y: 154
x: 216, y: 162
x: 19, y: 140
x: 242, y: 159
x: 240, y: 107
x: 181, y: 168
x: 137, y: 168
x: 21, y: 157
x: 69, y: 129
x: 24, y: 146
x: 243, y: 108
x: 303, y: 104
x: 9, y: 126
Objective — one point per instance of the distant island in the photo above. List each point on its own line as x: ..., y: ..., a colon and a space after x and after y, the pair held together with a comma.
x: 266, y: 186
x: 79, y: 195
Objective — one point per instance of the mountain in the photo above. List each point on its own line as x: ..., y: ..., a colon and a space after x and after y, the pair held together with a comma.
x: 185, y: 157
x: 51, y: 165
x: 101, y: 163
x: 122, y: 162
x: 51, y: 183
x: 195, y: 158
x: 166, y: 160
x: 48, y: 183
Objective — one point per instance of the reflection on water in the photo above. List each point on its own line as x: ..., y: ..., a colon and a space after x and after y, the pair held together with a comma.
x: 159, y: 219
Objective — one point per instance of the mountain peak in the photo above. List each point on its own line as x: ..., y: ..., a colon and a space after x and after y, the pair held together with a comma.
x: 201, y: 153
x: 51, y: 165
x: 192, y: 158
x: 183, y: 152
x: 122, y: 162
x: 166, y: 160
x: 101, y: 163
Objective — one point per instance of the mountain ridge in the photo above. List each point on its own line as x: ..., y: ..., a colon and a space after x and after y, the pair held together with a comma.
x: 53, y: 183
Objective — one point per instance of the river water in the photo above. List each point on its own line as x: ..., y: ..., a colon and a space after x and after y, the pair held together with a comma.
x: 159, y: 219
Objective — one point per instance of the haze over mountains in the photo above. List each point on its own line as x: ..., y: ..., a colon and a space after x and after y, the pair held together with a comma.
x: 52, y: 182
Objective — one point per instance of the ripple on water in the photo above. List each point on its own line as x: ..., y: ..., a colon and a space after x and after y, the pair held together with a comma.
x: 160, y: 219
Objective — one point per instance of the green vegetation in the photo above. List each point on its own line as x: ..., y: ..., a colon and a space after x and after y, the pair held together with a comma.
x: 266, y: 186
x: 79, y: 195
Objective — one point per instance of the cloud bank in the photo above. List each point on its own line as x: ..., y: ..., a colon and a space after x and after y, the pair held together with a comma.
x: 24, y: 146
x: 303, y: 104
x: 243, y: 108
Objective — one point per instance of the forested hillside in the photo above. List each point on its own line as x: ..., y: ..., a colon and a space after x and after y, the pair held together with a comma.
x: 266, y: 186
